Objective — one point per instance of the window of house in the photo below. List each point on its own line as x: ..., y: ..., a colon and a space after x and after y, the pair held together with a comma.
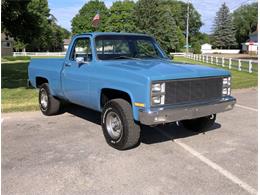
x: 6, y: 44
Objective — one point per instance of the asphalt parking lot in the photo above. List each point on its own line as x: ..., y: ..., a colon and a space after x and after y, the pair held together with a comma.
x: 67, y: 154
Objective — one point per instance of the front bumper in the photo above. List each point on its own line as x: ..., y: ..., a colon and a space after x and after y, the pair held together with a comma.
x: 182, y: 112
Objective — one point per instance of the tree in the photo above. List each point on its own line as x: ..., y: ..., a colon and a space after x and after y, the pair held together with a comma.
x: 224, y: 31
x: 24, y: 20
x: 197, y: 40
x: 32, y: 26
x: 245, y: 21
x: 121, y: 17
x: 179, y: 12
x: 152, y: 17
x: 82, y: 22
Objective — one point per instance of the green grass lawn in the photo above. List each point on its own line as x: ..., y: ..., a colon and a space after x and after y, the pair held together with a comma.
x: 15, y: 95
x: 240, y: 79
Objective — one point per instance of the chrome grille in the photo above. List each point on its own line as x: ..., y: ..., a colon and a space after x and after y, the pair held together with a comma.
x: 191, y: 90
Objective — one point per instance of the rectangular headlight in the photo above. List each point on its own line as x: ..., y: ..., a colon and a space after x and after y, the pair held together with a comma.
x: 160, y: 99
x: 227, y: 81
x: 158, y: 93
x: 226, y: 89
x: 158, y: 88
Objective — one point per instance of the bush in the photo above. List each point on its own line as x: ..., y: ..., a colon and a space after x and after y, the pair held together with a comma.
x: 196, y: 48
x: 14, y: 58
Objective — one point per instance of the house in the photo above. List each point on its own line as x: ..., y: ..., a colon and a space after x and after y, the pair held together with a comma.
x: 6, y: 45
x: 66, y: 43
x: 206, y: 47
x: 251, y: 45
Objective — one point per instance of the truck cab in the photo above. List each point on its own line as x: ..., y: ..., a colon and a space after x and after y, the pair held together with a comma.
x: 131, y: 81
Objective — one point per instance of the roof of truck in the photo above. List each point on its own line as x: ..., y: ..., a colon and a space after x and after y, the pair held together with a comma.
x: 111, y: 33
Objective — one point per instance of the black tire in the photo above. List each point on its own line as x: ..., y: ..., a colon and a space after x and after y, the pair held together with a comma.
x: 52, y: 106
x: 129, y: 132
x: 199, y: 124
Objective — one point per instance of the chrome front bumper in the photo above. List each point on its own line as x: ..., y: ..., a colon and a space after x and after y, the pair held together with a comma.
x: 182, y: 112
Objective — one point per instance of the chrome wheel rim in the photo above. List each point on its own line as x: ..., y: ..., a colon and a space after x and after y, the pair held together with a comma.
x: 44, y: 99
x: 114, y: 125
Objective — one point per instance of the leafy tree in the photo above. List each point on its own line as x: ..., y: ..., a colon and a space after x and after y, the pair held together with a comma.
x: 224, y: 31
x: 197, y: 40
x: 179, y: 12
x: 82, y: 22
x: 121, y: 17
x: 32, y: 26
x: 152, y: 17
x: 245, y: 21
x: 18, y: 45
x: 24, y: 20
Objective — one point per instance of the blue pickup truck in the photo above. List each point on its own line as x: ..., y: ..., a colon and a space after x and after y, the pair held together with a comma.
x: 131, y: 81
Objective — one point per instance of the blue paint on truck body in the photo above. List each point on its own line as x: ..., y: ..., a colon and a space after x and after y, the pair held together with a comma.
x: 82, y: 84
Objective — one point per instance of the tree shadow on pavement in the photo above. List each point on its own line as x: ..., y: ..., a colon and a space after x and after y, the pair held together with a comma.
x: 149, y: 135
x: 167, y: 132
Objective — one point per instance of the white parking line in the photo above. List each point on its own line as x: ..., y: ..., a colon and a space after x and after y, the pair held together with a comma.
x: 213, y: 165
x: 246, y: 107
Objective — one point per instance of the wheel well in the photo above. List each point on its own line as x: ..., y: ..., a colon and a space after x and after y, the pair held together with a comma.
x: 40, y: 81
x: 109, y: 94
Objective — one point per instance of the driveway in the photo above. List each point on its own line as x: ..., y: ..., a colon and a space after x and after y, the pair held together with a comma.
x: 67, y: 154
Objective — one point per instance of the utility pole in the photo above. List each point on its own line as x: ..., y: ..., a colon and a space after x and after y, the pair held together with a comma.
x: 187, y: 27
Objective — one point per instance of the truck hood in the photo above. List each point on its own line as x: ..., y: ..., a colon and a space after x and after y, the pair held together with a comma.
x: 164, y: 69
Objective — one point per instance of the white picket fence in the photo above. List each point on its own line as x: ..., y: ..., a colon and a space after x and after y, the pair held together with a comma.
x: 39, y: 53
x: 239, y: 64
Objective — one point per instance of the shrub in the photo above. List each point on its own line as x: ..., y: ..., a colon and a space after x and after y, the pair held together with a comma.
x: 14, y: 58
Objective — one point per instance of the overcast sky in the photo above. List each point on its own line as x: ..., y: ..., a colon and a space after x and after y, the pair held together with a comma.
x: 65, y: 10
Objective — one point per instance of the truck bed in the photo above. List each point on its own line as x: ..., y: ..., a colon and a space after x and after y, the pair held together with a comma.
x: 47, y: 68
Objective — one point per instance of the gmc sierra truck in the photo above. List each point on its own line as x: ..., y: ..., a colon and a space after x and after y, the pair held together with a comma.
x: 131, y: 81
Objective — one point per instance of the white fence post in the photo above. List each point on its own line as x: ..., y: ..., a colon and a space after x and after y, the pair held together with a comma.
x: 250, y: 66
x: 239, y: 65
x: 211, y: 59
x: 216, y: 60
x: 223, y: 62
x: 230, y: 63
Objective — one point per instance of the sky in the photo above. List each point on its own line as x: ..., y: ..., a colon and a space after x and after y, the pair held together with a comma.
x: 65, y: 10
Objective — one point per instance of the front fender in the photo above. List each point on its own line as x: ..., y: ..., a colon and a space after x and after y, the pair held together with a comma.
x: 136, y: 95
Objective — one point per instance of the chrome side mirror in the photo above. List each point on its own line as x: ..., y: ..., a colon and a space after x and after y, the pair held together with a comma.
x: 80, y: 60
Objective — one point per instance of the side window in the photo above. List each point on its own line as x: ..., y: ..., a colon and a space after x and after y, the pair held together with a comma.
x: 82, y: 48
x: 145, y: 48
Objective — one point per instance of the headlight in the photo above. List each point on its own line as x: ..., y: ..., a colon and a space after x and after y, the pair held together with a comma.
x: 227, y: 81
x: 158, y: 93
x: 158, y: 87
x: 226, y: 89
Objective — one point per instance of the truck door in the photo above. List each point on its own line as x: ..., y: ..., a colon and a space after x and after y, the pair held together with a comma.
x: 75, y: 76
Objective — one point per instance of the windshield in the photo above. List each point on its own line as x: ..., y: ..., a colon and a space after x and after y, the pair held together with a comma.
x: 112, y: 47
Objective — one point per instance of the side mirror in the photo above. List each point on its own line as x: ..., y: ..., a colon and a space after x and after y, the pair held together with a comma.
x: 80, y: 60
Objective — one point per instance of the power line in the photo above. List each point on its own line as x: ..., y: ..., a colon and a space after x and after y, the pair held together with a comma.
x: 239, y: 5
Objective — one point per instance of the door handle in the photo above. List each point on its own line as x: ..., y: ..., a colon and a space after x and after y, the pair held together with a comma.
x: 67, y: 64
